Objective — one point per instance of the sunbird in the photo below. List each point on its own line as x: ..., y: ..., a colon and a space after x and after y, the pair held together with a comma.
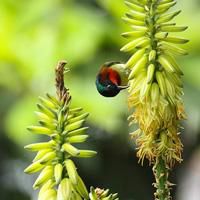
x: 111, y: 79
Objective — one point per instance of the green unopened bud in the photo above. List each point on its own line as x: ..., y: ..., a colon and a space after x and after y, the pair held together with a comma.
x: 165, y: 6
x: 135, y: 6
x: 173, y: 49
x: 152, y: 55
x: 175, y: 40
x: 43, y: 117
x: 161, y: 82
x: 166, y: 63
x: 39, y: 146
x: 167, y: 17
x: 77, y: 131
x: 71, y: 170
x: 46, y: 174
x: 64, y: 190
x: 144, y: 91
x: 133, y: 34
x: 76, y: 196
x: 138, y: 66
x: 77, y: 138
x: 75, y: 110
x: 41, y: 154
x: 48, y: 157
x: 73, y: 151
x: 139, y: 42
x: 86, y: 154
x: 78, y: 118
x: 48, y: 111
x: 134, y: 58
x: 74, y: 125
x: 48, y: 103
x: 49, y: 125
x: 39, y: 130
x: 155, y: 93
x: 53, y: 100
x: 81, y: 188
x: 173, y: 28
x: 61, y: 117
x: 58, y: 169
x: 50, y: 194
x: 34, y: 167
x: 46, y: 187
x: 150, y: 73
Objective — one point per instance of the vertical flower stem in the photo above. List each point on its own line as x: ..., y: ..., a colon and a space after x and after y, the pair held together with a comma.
x: 161, y: 173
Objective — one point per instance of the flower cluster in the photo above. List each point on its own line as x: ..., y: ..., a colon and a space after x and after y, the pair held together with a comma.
x: 64, y: 125
x: 155, y: 79
x: 59, y: 179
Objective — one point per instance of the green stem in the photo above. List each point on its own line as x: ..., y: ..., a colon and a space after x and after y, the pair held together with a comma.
x: 161, y: 173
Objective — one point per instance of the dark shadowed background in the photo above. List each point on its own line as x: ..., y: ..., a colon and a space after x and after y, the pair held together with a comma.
x: 34, y: 35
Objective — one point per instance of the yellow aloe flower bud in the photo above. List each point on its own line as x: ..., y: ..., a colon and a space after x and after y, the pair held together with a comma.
x: 71, y: 170
x: 45, y: 175
x: 64, y: 190
x: 34, y: 167
x: 58, y: 169
x: 73, y: 151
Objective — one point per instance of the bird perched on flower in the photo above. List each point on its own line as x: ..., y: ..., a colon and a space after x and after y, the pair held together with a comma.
x: 111, y: 79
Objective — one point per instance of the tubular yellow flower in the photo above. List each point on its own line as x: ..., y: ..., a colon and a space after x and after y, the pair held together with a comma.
x: 155, y: 83
x: 59, y: 178
x: 155, y: 79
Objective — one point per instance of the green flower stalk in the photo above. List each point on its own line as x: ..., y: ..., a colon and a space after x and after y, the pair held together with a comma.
x: 59, y: 179
x: 155, y: 85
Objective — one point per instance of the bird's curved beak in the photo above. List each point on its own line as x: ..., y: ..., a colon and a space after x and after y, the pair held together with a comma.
x: 123, y: 87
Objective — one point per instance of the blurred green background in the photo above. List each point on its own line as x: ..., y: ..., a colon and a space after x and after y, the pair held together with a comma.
x: 34, y: 35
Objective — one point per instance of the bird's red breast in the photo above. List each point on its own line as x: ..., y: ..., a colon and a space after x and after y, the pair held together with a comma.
x: 108, y: 73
